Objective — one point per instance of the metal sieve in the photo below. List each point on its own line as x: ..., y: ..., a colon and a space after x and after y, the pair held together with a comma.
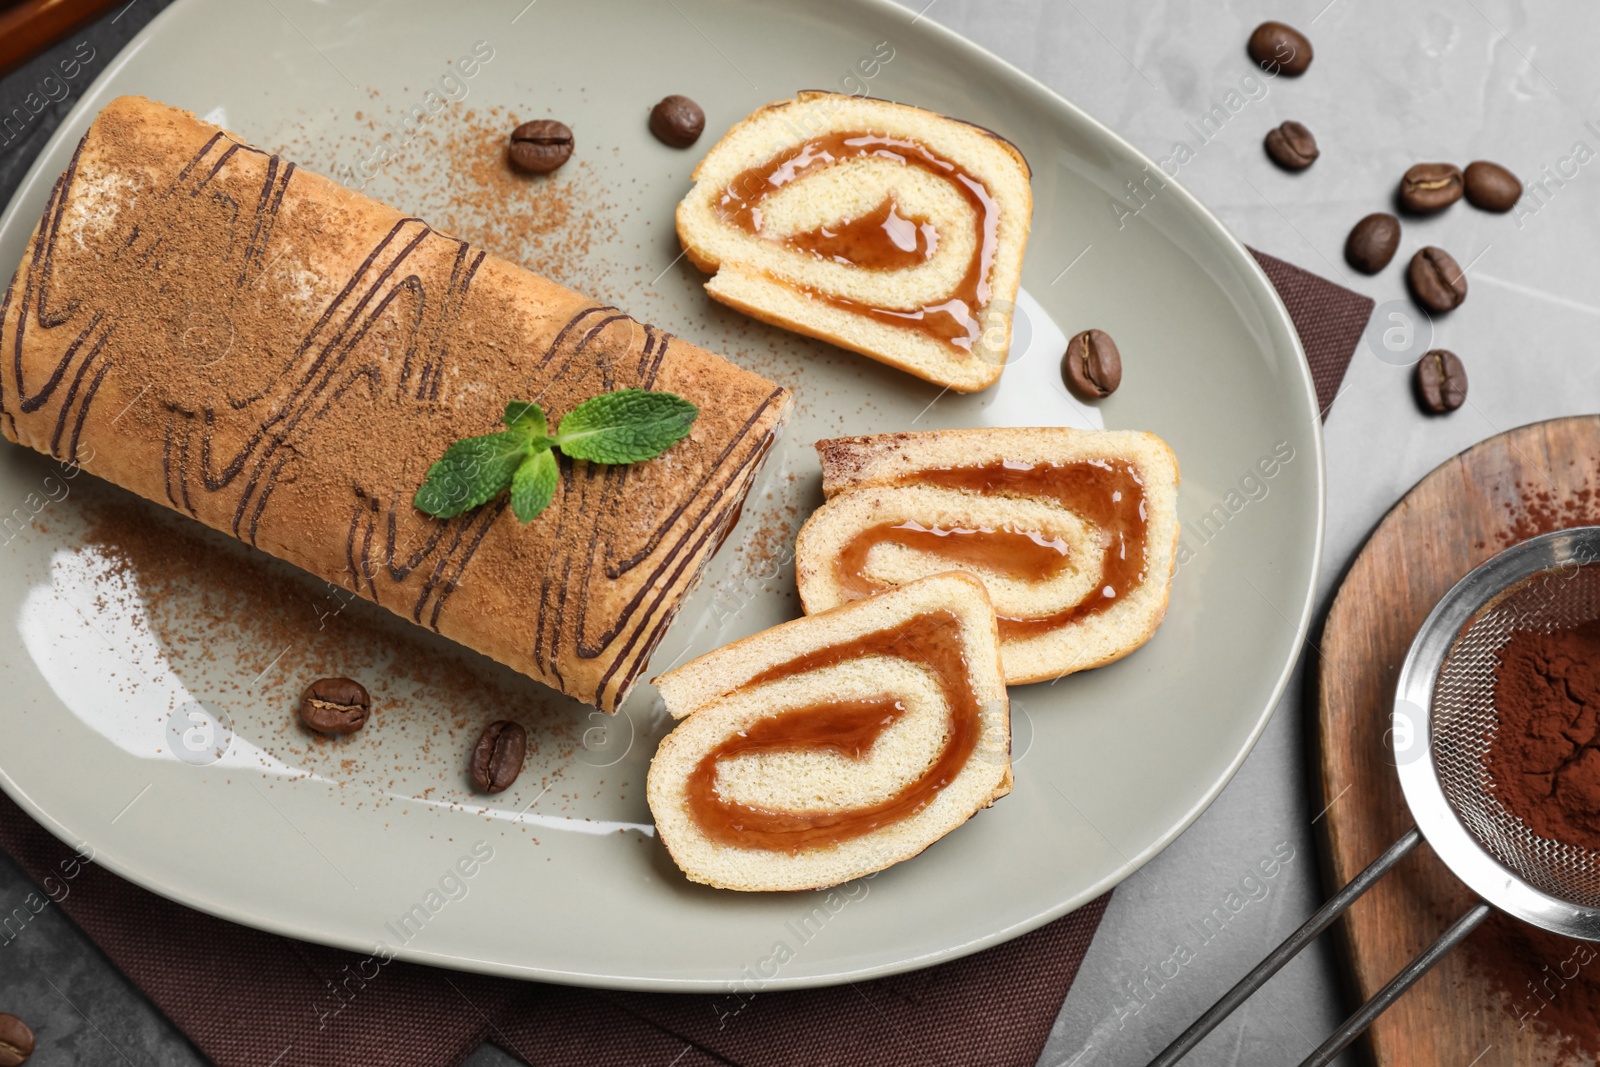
x: 1444, y: 720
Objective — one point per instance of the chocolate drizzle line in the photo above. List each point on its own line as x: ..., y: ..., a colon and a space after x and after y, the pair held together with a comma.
x: 737, y: 486
x: 9, y: 424
x: 36, y: 283
x: 698, y: 528
x: 72, y: 393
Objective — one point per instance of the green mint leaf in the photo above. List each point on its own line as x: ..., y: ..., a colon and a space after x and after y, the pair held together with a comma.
x: 534, y: 484
x: 527, y: 418
x: 627, y: 426
x: 472, y: 471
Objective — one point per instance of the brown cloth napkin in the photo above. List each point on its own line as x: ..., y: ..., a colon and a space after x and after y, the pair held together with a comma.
x: 254, y: 999
x: 1328, y: 317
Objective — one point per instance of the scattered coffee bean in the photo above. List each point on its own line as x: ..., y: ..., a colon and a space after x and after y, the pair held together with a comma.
x: 1430, y: 187
x: 1436, y: 280
x: 540, y: 147
x: 16, y: 1041
x: 1092, y: 366
x: 1280, y: 49
x: 1441, y: 382
x: 677, y: 121
x: 335, y: 706
x: 1491, y: 187
x: 1291, y: 146
x: 497, y: 759
x: 1371, y: 245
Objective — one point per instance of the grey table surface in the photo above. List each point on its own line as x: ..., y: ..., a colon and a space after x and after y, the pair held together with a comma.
x: 1392, y: 84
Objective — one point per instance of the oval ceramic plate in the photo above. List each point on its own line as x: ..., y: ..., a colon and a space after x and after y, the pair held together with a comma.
x: 132, y: 636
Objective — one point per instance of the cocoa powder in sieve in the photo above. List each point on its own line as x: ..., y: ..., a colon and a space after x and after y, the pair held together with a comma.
x: 1545, y: 756
x: 1545, y: 764
x: 1547, y: 983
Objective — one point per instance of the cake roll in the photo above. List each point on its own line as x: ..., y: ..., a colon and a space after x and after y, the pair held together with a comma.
x: 835, y: 745
x: 282, y: 359
x: 885, y: 229
x: 1074, y: 532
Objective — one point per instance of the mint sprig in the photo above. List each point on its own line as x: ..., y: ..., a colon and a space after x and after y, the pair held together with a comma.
x: 471, y: 472
x: 626, y: 426
x: 534, y: 484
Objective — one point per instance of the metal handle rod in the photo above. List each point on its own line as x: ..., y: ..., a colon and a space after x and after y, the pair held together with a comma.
x: 1287, y: 951
x: 1353, y: 1026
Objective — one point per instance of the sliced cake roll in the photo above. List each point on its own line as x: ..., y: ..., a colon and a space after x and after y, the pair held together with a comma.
x: 247, y: 342
x: 837, y: 744
x: 1072, y: 531
x: 892, y: 231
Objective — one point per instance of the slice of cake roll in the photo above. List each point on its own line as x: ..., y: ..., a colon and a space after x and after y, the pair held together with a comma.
x: 837, y: 744
x: 1073, y: 532
x: 885, y: 229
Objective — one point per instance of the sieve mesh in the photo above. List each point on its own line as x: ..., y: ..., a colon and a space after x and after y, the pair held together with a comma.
x: 1464, y: 722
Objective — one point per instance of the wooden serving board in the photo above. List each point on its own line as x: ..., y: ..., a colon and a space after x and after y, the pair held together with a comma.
x: 1489, y: 497
x: 27, y: 27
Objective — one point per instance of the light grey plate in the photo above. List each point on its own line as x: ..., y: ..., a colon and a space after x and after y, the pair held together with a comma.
x: 339, y: 843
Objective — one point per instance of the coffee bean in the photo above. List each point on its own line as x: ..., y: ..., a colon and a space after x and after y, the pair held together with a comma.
x: 1436, y: 280
x: 677, y: 121
x: 1291, y: 146
x: 1491, y: 187
x: 540, y: 147
x: 1092, y: 366
x: 1441, y: 382
x: 1280, y: 49
x: 16, y: 1041
x: 335, y: 706
x: 1430, y: 187
x: 497, y: 759
x: 1371, y: 245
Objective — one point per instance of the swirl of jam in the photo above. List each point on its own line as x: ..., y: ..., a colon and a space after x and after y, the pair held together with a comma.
x: 1106, y: 493
x: 849, y: 728
x: 883, y: 239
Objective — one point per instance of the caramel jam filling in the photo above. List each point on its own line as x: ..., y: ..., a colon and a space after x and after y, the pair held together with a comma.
x: 873, y: 243
x: 1027, y: 555
x: 882, y: 239
x: 850, y: 728
x: 1107, y: 494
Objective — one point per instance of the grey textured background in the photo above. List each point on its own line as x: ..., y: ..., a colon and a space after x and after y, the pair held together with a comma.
x: 1392, y: 84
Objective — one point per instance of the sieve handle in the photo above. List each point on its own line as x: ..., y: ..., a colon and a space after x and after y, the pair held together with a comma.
x: 1289, y: 949
x: 1353, y: 1026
